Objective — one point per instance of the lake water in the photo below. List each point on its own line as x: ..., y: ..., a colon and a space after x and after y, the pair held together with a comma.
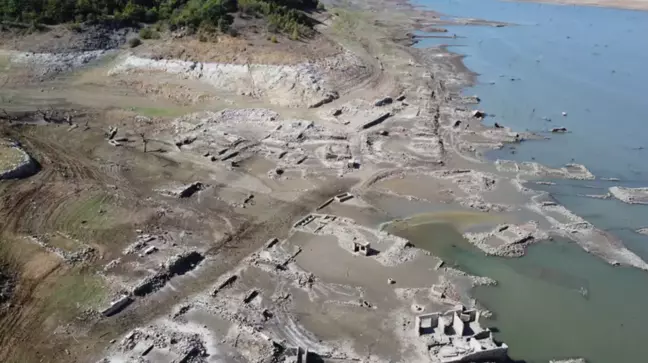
x: 590, y: 63
x: 556, y: 302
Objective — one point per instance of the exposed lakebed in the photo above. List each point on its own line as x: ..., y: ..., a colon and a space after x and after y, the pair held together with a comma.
x: 558, y: 301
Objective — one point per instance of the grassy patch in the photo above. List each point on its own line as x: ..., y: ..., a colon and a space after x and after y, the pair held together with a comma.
x: 73, y: 293
x: 48, y: 293
x: 63, y: 293
x: 9, y: 157
x: 345, y: 22
x: 94, y: 218
x: 159, y: 111
x: 5, y: 62
x: 64, y: 243
x: 88, y: 212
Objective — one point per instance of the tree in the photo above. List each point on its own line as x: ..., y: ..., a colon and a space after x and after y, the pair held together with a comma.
x: 281, y: 15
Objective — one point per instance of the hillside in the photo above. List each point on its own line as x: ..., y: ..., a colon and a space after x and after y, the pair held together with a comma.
x: 210, y: 15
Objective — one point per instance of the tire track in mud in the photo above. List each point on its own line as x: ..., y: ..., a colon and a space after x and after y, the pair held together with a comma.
x: 31, y: 206
x: 229, y: 251
x: 21, y: 320
x: 66, y: 176
x: 28, y: 205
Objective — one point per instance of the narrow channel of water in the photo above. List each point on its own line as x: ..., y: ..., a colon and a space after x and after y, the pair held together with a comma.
x: 556, y: 302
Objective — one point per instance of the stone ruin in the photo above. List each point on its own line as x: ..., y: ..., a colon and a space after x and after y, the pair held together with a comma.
x: 362, y: 248
x: 117, y: 305
x: 456, y: 336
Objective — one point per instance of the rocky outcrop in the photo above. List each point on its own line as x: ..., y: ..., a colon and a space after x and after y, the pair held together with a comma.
x: 630, y: 195
x: 49, y: 64
x: 300, y: 85
x: 24, y: 165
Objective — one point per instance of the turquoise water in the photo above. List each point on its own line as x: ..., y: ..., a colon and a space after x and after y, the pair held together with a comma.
x: 556, y: 302
x: 589, y: 62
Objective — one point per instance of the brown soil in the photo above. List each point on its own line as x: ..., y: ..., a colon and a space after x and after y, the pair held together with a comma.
x: 253, y: 48
x: 252, y: 44
x: 98, y: 194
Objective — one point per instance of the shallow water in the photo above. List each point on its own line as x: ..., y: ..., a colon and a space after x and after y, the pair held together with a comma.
x: 556, y: 302
x: 590, y: 63
x: 586, y: 61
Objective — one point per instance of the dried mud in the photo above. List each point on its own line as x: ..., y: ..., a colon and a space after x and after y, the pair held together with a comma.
x: 236, y: 205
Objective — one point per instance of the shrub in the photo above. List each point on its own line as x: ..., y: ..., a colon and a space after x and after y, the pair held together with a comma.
x: 91, y: 18
x: 134, y: 42
x: 151, y: 15
x: 223, y: 25
x: 281, y: 15
x: 75, y: 27
x: 147, y: 33
x: 274, y: 39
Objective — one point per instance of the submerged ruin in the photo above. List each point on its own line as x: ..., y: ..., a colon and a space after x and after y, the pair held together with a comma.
x: 456, y: 336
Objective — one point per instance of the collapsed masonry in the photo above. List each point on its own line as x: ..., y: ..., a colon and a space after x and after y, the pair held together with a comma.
x: 456, y: 336
x: 174, y: 266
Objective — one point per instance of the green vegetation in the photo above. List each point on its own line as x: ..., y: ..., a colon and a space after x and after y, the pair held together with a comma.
x: 148, y: 33
x: 9, y: 157
x: 134, y: 42
x: 282, y: 15
x: 74, y: 293
x: 160, y: 111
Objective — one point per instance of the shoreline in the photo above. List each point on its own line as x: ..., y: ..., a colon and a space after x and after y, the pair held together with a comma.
x: 614, y: 245
x: 636, y: 5
x: 400, y: 128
